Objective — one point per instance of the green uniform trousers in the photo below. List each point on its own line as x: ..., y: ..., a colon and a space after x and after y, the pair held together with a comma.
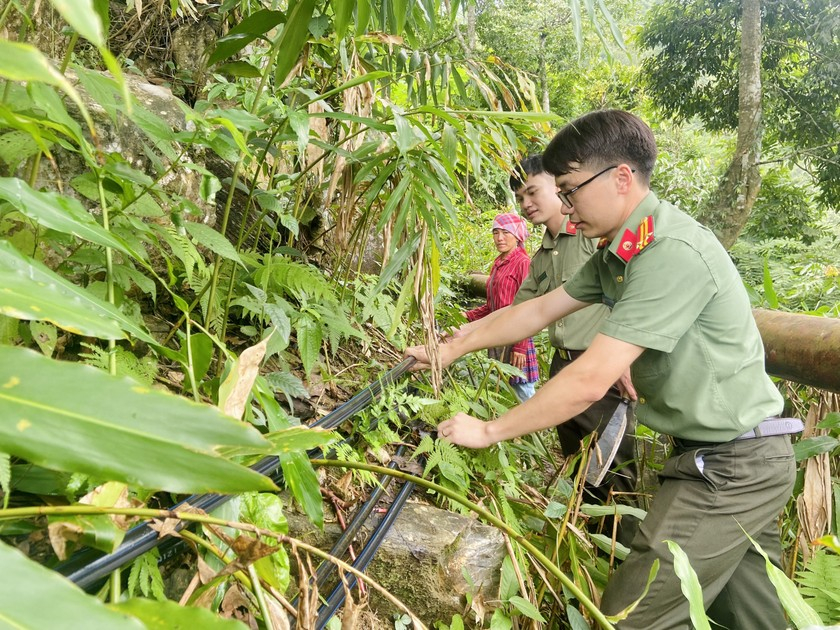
x: 708, y: 494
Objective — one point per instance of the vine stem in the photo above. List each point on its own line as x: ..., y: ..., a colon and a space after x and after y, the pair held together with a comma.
x: 200, y: 517
x: 487, y: 516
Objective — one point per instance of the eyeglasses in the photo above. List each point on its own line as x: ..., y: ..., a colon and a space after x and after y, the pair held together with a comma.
x: 564, y: 196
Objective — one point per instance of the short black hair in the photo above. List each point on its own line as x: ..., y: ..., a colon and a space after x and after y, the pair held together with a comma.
x: 600, y: 139
x: 531, y: 165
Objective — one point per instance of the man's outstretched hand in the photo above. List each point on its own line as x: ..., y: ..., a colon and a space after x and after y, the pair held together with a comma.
x: 465, y: 430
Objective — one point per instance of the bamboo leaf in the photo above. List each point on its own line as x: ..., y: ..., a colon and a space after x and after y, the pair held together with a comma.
x: 60, y: 213
x: 813, y: 446
x: 303, y: 482
x: 25, y: 586
x: 82, y: 16
x: 362, y: 16
x: 31, y: 291
x: 690, y: 586
x: 343, y: 12
x: 244, y: 33
x: 292, y: 39
x: 76, y: 418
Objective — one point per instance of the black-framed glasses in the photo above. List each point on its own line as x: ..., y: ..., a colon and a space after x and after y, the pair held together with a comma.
x: 564, y: 196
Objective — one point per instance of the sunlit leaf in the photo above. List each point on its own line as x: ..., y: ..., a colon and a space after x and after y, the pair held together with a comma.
x: 25, y: 586
x: 77, y: 418
x: 799, y: 612
x: 22, y: 62
x: 166, y: 615
x: 526, y: 608
x: 81, y: 15
x: 58, y: 212
x: 813, y: 446
x: 690, y: 586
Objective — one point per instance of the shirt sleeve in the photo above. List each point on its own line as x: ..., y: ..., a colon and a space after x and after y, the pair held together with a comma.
x: 478, y: 312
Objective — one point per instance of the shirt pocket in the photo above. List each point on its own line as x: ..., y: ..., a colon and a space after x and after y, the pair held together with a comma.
x: 649, y: 369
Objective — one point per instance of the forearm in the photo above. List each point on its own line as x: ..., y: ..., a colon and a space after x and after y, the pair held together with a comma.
x: 515, y: 323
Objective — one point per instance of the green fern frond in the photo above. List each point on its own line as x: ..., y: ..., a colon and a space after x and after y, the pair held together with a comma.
x: 819, y: 584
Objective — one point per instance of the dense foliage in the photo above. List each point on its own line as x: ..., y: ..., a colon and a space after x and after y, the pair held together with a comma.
x: 181, y: 282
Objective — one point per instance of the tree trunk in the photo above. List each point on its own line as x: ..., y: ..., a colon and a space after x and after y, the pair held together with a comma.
x: 732, y: 202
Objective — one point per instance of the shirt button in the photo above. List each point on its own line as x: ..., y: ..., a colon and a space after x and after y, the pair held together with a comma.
x: 641, y: 401
x: 556, y: 253
x: 619, y: 279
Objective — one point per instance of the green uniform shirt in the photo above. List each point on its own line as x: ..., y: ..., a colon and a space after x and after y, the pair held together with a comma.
x: 701, y: 376
x: 555, y: 262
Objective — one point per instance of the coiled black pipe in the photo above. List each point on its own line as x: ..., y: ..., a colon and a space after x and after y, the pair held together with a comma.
x: 88, y: 567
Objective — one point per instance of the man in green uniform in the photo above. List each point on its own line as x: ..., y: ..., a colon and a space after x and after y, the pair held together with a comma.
x: 681, y: 318
x: 562, y: 253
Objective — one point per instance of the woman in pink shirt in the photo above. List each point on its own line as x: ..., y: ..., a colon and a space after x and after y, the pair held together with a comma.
x: 509, y: 270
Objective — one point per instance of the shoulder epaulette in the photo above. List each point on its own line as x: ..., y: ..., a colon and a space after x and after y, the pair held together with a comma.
x: 634, y: 242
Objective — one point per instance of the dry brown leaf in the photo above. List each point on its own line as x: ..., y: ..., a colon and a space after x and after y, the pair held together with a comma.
x: 237, y: 605
x: 246, y: 372
x: 60, y: 533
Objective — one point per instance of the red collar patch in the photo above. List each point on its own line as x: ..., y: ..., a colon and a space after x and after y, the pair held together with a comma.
x: 571, y: 228
x: 632, y: 243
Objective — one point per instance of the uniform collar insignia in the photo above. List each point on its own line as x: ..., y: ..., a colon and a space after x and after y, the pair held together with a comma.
x: 632, y: 243
x: 571, y: 228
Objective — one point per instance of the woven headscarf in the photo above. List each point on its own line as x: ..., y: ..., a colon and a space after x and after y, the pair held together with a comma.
x: 514, y: 224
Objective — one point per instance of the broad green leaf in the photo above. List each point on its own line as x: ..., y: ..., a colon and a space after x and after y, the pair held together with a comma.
x: 292, y: 39
x: 32, y: 291
x: 166, y: 615
x: 299, y: 122
x: 303, y: 482
x: 526, y: 608
x: 45, y: 336
x: 253, y: 26
x: 91, y: 530
x: 813, y: 446
x: 690, y: 586
x: 76, y: 418
x: 57, y: 212
x: 576, y: 620
x: 830, y: 421
x: 265, y: 510
x: 215, y: 241
x: 508, y: 582
x: 798, y: 611
x: 499, y: 621
x: 81, y: 15
x: 26, y: 587
x: 22, y: 62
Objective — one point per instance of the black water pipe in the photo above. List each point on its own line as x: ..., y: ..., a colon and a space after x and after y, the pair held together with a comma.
x: 87, y: 567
